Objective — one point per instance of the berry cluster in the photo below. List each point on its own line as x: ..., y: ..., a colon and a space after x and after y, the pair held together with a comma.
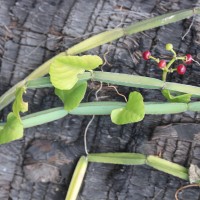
x: 162, y: 64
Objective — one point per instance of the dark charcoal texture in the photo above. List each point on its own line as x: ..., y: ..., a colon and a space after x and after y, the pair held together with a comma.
x: 40, y: 166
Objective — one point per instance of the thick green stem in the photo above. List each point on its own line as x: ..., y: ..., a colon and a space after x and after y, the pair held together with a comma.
x: 104, y: 108
x: 140, y: 159
x: 114, y: 34
x: 164, y: 75
x: 168, y: 167
x: 125, y: 80
x: 77, y: 179
x: 43, y: 117
x: 118, y: 158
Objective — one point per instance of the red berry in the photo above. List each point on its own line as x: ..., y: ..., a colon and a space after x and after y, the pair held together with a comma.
x: 162, y: 64
x: 146, y: 55
x: 188, y: 59
x: 181, y: 69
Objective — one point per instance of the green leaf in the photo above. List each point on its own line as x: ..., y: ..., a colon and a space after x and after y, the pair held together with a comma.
x: 133, y: 111
x: 12, y: 130
x: 72, y: 98
x: 64, y: 69
x: 184, y: 98
x: 19, y: 105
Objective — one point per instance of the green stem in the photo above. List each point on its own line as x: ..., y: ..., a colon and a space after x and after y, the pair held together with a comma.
x: 165, y: 71
x: 164, y: 75
x: 77, y: 179
x: 171, y: 62
x: 114, y: 34
x: 172, y: 50
x: 181, y: 58
x: 124, y: 80
x: 168, y: 167
x: 104, y: 108
x: 43, y: 117
x: 118, y: 158
x: 155, y: 59
x: 140, y: 159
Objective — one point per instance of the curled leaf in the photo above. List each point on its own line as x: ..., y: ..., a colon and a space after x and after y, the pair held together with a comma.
x: 12, y: 130
x: 133, y: 111
x: 183, y: 98
x: 19, y: 105
x: 65, y: 69
x: 72, y: 98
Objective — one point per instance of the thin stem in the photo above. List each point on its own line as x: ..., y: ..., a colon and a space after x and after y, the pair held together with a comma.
x: 181, y: 58
x: 171, y: 62
x: 196, y: 61
x: 185, y: 187
x: 155, y: 59
x: 165, y: 71
x: 85, y: 134
x: 172, y: 50
x: 111, y: 86
x: 99, y: 89
x: 189, y: 28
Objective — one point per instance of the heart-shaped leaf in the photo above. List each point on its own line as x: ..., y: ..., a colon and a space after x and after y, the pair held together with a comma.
x: 184, y: 98
x: 12, y: 130
x: 64, y: 69
x: 19, y: 105
x: 133, y: 111
x: 72, y: 98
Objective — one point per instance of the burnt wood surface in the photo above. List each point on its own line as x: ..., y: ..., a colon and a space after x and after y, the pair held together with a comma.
x: 40, y: 165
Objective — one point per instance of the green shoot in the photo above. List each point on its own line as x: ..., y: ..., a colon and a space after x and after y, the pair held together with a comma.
x: 77, y: 178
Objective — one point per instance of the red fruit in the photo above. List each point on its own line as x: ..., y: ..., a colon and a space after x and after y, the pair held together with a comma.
x: 162, y: 64
x: 146, y: 55
x: 181, y: 69
x: 188, y: 59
